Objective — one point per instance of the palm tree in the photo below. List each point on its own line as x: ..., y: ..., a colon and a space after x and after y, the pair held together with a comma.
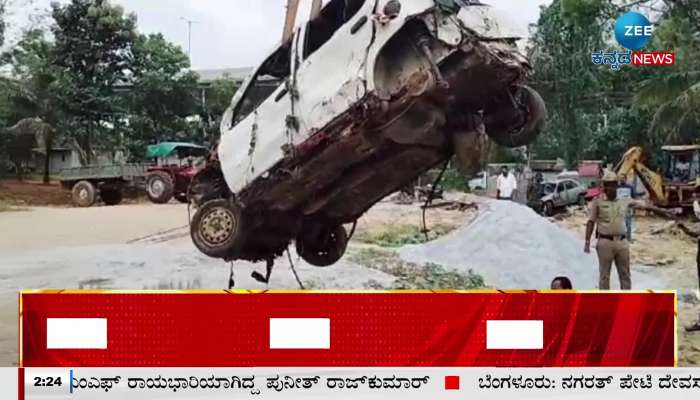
x: 676, y: 97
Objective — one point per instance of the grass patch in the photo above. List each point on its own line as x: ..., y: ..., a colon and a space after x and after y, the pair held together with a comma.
x: 413, y: 276
x: 394, y: 236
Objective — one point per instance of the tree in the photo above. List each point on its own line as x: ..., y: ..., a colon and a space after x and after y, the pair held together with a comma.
x: 162, y: 92
x: 674, y: 94
x: 37, y: 88
x: 3, y: 6
x: 93, y: 43
x: 594, y: 112
x: 21, y: 139
x: 217, y: 99
x: 568, y: 31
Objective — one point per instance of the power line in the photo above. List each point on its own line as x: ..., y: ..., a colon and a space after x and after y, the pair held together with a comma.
x: 190, y: 22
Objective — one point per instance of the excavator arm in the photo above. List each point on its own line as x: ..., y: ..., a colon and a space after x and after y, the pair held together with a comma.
x: 653, y: 182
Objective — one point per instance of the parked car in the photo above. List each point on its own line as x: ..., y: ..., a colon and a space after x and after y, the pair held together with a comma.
x: 361, y: 101
x: 479, y: 183
x: 561, y: 193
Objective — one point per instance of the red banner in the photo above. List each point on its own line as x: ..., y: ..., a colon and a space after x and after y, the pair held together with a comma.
x: 495, y: 329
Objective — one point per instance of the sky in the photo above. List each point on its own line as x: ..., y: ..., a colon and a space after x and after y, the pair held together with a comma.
x: 238, y: 33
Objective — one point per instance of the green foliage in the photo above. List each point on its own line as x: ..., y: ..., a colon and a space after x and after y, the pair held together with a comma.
x: 674, y: 94
x: 582, y: 9
x: 410, y: 276
x: 93, y: 43
x: 596, y: 113
x: 453, y: 180
x: 162, y: 94
x: 218, y: 98
x: 3, y: 25
x: 400, y: 235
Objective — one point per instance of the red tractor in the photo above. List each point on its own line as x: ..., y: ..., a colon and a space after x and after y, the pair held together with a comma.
x: 175, y: 165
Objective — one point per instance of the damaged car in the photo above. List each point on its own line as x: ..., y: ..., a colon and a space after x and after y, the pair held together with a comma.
x: 357, y: 103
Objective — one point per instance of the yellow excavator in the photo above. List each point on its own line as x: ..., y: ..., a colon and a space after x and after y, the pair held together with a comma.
x: 680, y: 179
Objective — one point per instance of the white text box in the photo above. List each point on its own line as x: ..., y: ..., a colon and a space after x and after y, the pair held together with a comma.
x: 514, y: 335
x: 300, y: 333
x: 76, y: 333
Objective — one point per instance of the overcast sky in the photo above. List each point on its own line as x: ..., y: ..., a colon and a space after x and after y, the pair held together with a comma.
x: 240, y: 33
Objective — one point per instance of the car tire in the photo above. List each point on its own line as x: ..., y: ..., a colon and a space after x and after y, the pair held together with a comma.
x: 217, y: 228
x: 159, y: 187
x: 322, y: 247
x: 111, y: 196
x: 84, y: 194
x: 500, y: 123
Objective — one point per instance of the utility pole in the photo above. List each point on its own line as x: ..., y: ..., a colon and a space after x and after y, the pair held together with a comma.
x: 189, y: 35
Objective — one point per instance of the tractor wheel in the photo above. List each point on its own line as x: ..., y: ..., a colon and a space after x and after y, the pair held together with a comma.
x: 217, y: 228
x: 322, y: 246
x: 519, y: 124
x: 182, y: 198
x: 111, y: 196
x: 159, y: 187
x: 84, y: 194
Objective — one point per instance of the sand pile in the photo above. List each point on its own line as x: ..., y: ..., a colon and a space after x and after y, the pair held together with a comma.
x: 513, y: 247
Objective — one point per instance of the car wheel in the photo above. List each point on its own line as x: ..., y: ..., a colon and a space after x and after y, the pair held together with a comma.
x: 111, y: 196
x: 217, y: 228
x: 84, y: 194
x: 520, y: 124
x: 548, y: 209
x: 322, y: 246
x: 159, y: 187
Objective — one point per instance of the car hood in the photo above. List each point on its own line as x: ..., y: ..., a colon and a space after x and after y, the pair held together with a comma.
x: 548, y: 197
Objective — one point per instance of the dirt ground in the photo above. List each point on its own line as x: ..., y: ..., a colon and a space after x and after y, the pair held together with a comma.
x: 32, y: 193
x: 145, y: 246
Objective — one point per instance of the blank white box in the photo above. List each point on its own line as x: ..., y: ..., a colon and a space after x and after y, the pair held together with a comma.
x: 515, y: 335
x: 300, y: 333
x: 76, y: 333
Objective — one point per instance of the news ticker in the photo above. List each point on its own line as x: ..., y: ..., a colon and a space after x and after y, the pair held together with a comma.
x: 357, y: 383
x: 347, y: 329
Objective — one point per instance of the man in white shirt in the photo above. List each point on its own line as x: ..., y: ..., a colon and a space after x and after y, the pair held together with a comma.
x: 506, y: 185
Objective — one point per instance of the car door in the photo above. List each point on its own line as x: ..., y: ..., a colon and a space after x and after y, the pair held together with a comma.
x: 330, y: 77
x: 254, y: 130
x: 560, y: 195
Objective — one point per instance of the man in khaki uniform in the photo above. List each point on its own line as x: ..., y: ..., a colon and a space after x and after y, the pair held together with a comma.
x: 607, y: 217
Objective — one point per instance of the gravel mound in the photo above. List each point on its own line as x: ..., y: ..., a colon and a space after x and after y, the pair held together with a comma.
x: 513, y: 247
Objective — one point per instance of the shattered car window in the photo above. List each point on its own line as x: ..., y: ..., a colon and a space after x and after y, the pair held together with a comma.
x: 269, y: 77
x: 332, y: 17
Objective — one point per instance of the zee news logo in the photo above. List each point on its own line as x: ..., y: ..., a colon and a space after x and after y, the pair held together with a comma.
x: 633, y: 31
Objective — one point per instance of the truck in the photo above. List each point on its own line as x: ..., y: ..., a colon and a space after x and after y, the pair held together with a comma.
x: 107, y: 182
x: 674, y: 187
x: 168, y: 176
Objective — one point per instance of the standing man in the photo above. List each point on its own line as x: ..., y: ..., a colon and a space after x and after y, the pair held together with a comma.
x: 607, y: 217
x: 696, y: 207
x: 506, y: 185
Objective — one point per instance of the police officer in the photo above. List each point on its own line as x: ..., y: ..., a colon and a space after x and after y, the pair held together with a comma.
x: 607, y: 218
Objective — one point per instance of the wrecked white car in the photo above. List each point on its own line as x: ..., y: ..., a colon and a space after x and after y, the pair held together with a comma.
x: 359, y: 102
